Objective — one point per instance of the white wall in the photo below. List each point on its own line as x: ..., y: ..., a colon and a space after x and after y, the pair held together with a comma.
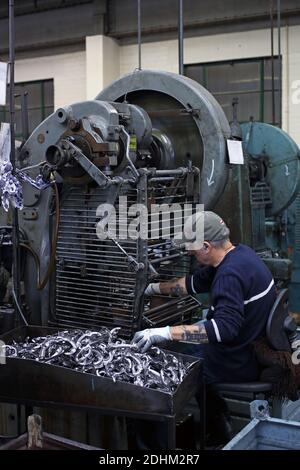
x: 67, y: 71
x: 102, y: 63
x: 164, y: 55
x: 161, y: 55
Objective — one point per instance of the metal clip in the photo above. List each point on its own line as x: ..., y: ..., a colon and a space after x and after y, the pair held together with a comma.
x: 259, y: 409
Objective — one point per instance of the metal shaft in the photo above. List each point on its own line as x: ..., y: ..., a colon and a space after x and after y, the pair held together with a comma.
x: 180, y: 37
x: 15, y: 231
x: 279, y: 60
x: 272, y: 60
x: 139, y: 34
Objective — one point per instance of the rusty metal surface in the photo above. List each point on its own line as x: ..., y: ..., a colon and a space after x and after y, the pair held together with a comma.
x: 28, y: 381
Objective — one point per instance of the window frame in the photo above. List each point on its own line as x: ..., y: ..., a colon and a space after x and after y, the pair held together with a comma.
x: 4, y: 110
x: 262, y: 89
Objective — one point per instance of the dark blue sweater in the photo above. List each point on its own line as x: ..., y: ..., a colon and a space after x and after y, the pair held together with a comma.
x: 242, y: 294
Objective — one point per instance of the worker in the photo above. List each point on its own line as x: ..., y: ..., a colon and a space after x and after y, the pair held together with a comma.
x: 242, y: 293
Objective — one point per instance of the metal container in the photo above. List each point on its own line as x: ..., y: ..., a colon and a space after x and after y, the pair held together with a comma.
x: 271, y: 434
x: 265, y: 433
x: 28, y: 381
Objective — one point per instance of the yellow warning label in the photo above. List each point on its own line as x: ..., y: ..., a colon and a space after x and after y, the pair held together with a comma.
x: 133, y: 143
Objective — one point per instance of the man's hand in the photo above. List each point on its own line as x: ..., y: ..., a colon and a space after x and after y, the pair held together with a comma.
x: 152, y: 289
x: 146, y: 338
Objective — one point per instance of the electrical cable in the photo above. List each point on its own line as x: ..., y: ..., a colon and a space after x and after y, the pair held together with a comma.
x: 16, y: 300
x: 42, y: 283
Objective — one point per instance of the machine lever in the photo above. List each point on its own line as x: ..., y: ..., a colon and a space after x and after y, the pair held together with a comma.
x: 94, y: 172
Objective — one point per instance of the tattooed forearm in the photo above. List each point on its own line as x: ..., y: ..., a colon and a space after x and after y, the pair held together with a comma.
x: 197, y: 335
x: 177, y: 290
x: 189, y: 334
x: 176, y: 287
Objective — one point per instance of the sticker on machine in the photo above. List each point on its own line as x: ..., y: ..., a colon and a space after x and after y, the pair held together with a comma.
x: 235, y: 152
x: 4, y: 142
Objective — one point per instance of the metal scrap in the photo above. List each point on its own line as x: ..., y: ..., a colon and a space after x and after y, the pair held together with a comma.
x: 104, y: 354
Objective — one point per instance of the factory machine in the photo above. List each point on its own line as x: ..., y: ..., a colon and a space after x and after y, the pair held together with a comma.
x: 150, y: 138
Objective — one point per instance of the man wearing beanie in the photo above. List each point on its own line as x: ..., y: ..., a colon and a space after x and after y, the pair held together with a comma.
x: 242, y: 293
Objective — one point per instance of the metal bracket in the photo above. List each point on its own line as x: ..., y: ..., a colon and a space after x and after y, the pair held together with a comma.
x: 259, y: 409
x: 132, y: 262
x: 130, y: 163
x: 30, y: 214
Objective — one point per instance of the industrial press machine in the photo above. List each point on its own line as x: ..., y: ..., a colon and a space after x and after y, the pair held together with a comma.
x: 149, y: 138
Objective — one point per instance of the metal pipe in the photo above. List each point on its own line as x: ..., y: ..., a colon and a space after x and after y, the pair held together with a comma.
x: 98, y: 320
x: 12, y: 82
x: 272, y: 60
x: 83, y: 302
x: 88, y: 319
x: 159, y: 180
x: 85, y: 307
x: 99, y: 304
x: 94, y: 275
x: 180, y: 37
x: 161, y: 250
x: 153, y: 245
x: 169, y: 313
x: 125, y: 298
x: 177, y: 172
x: 166, y: 258
x: 171, y: 196
x: 64, y: 245
x: 94, y: 256
x: 167, y: 305
x: 15, y: 222
x: 86, y: 289
x: 69, y: 278
x: 83, y: 295
x: 94, y: 271
x: 279, y: 60
x: 139, y: 34
x: 120, y: 261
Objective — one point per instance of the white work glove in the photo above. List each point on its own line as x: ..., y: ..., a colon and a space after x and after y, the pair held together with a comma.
x: 152, y: 289
x: 146, y: 338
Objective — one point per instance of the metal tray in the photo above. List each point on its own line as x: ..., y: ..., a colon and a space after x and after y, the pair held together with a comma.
x: 269, y: 434
x: 27, y: 381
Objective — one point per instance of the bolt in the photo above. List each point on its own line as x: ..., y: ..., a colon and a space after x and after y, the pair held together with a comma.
x: 74, y: 125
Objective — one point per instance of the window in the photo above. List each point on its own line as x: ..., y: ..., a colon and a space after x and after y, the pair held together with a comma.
x: 40, y: 104
x: 249, y: 80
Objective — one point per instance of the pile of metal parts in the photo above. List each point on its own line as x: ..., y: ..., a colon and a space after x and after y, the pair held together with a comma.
x: 103, y: 354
